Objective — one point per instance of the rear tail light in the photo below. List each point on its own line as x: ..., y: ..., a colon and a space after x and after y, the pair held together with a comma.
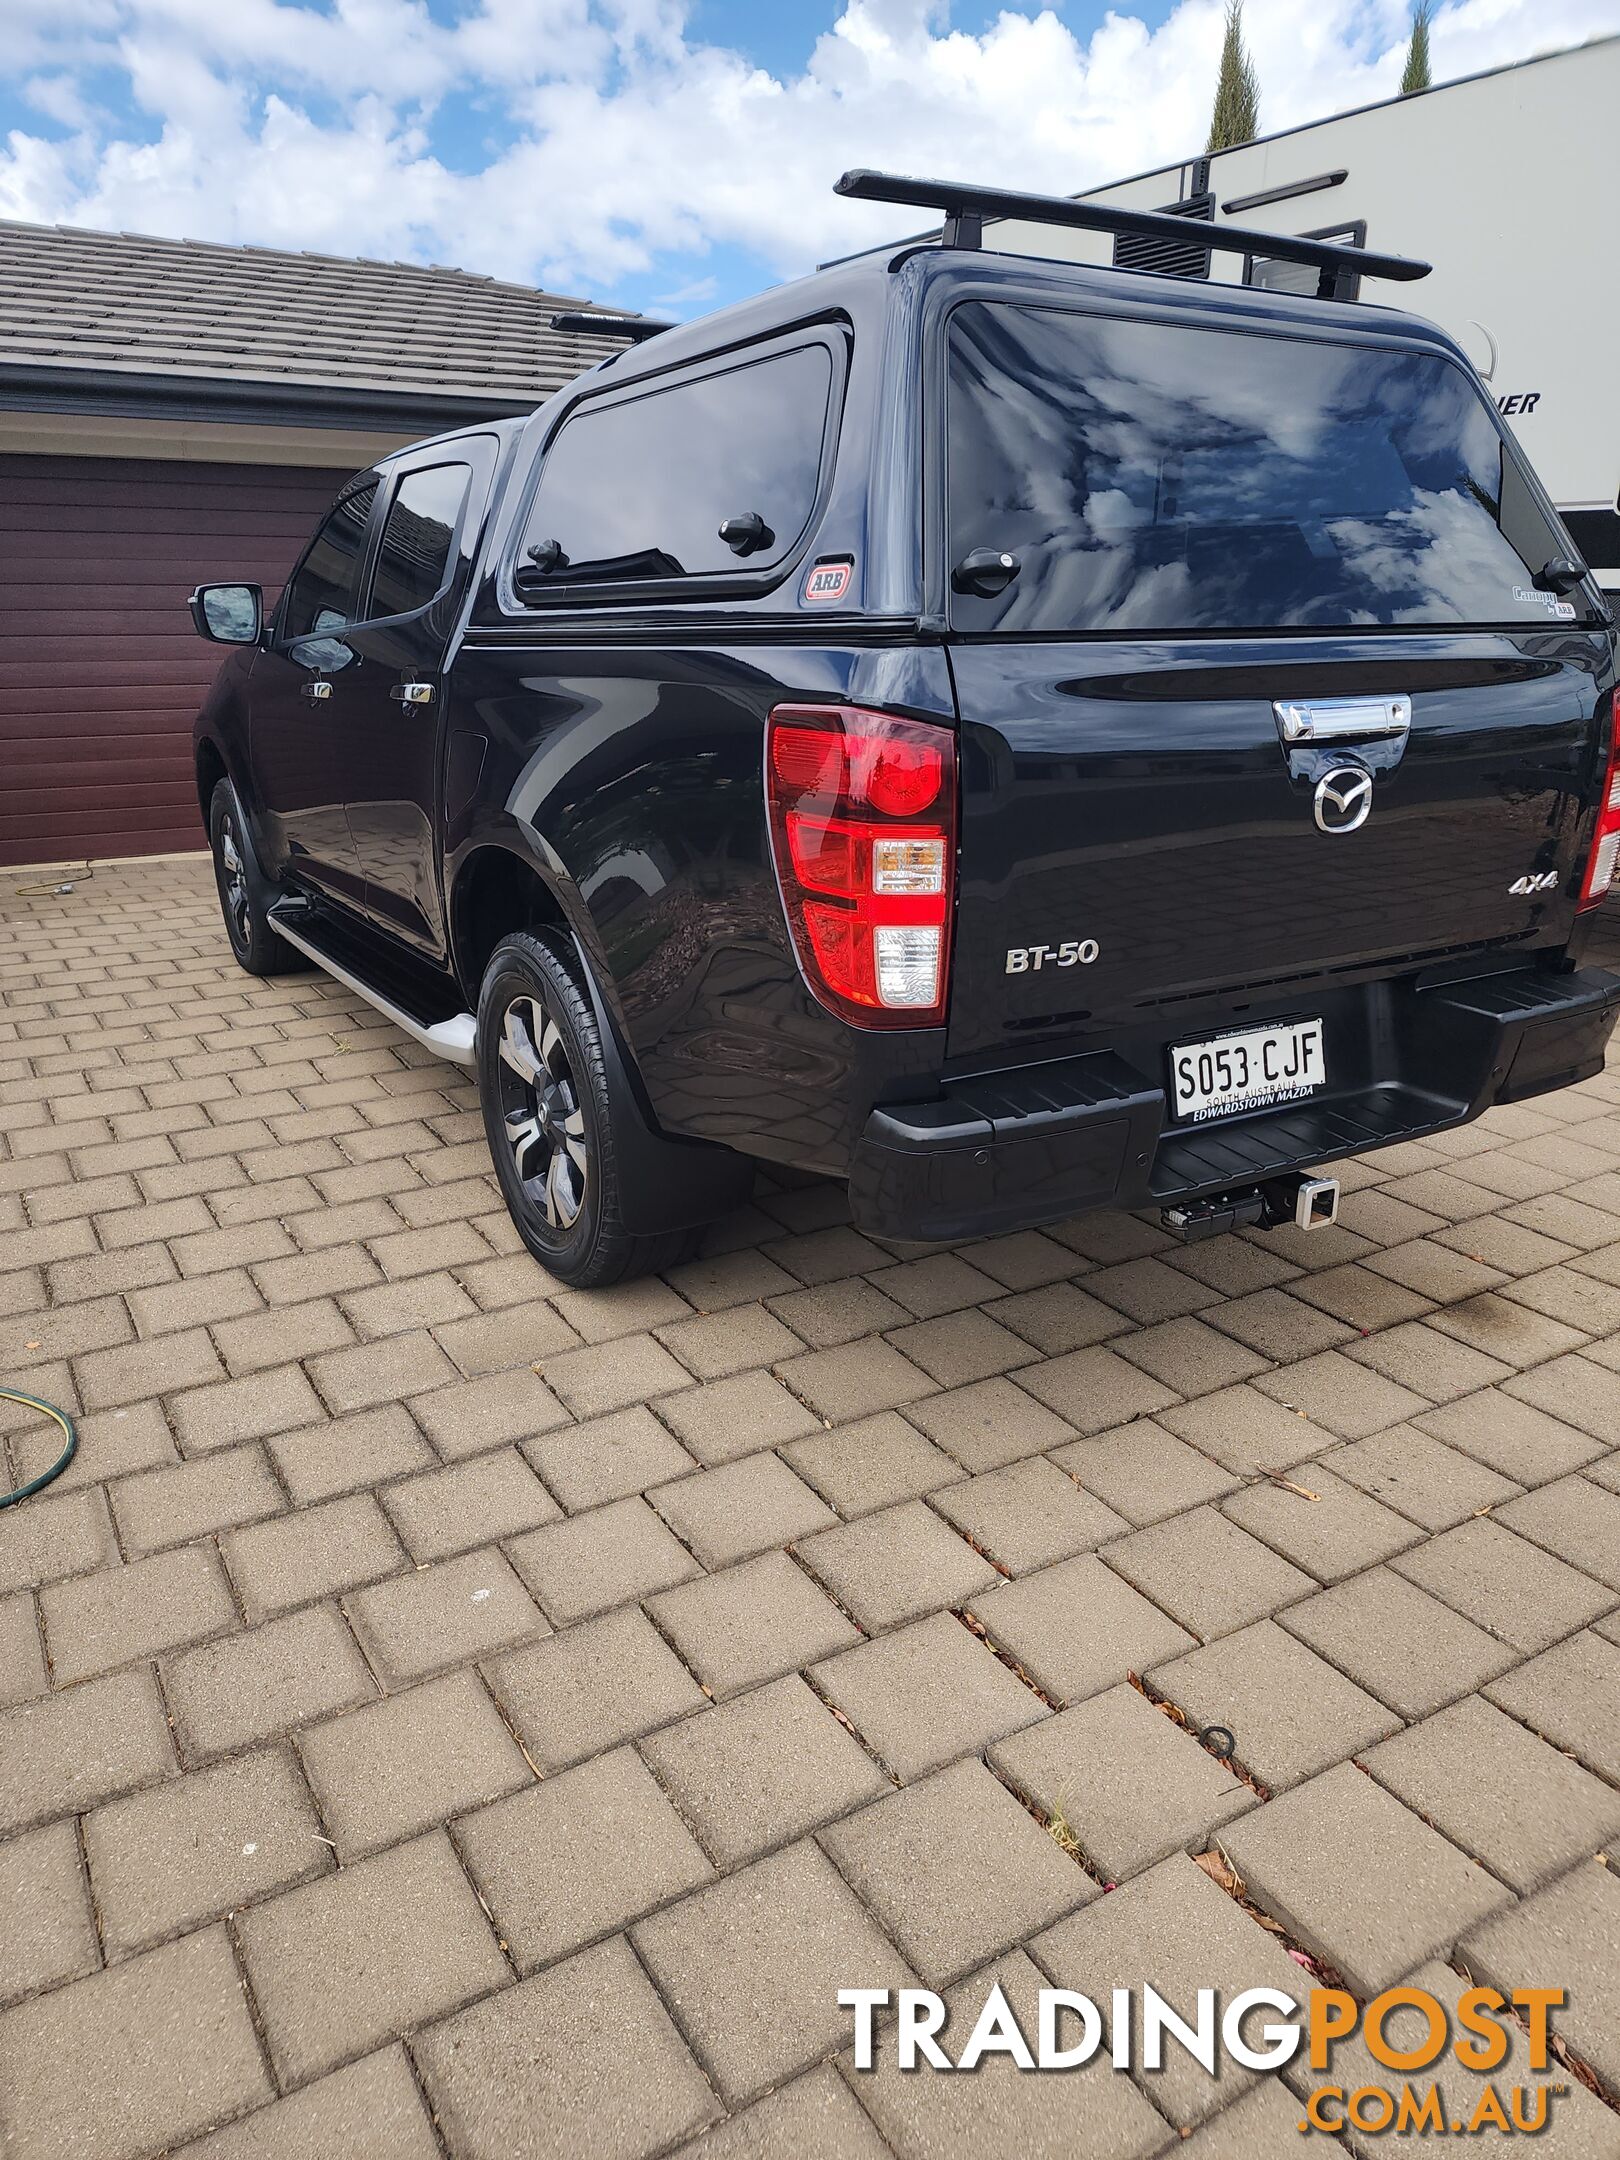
x: 1604, y: 864
x: 863, y: 828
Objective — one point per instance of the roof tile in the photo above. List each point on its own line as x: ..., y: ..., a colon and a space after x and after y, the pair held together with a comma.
x: 133, y: 304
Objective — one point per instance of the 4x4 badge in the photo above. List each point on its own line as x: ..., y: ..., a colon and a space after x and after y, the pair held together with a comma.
x: 1343, y: 799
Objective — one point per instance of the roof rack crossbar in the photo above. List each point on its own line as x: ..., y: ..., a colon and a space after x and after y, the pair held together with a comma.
x: 592, y: 322
x: 966, y: 208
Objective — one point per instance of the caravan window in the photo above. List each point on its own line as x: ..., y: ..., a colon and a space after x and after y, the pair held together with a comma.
x: 1275, y: 276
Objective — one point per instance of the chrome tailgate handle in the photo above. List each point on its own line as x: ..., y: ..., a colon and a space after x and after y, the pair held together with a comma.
x: 1342, y: 719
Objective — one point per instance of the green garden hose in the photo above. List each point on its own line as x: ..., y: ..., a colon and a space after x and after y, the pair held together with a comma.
x: 34, y: 1485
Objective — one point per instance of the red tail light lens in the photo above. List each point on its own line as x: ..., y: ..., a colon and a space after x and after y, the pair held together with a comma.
x: 863, y: 826
x: 1604, y: 862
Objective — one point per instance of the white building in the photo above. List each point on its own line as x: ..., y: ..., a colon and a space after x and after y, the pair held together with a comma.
x: 1505, y: 182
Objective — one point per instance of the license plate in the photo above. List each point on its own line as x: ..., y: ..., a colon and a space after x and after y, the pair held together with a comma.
x: 1247, y: 1071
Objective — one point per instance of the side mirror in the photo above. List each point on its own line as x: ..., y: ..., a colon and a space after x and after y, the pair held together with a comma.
x: 228, y: 614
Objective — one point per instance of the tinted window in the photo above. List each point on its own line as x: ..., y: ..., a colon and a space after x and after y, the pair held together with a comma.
x: 414, y: 553
x: 1156, y: 478
x: 321, y: 596
x: 640, y: 489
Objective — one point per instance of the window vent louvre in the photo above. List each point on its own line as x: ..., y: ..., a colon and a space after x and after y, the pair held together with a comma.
x: 1167, y: 258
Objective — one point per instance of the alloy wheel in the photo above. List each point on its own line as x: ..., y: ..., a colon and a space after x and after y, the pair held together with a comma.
x: 540, y: 1108
x: 233, y: 883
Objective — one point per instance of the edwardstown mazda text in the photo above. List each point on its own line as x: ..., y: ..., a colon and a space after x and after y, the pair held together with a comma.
x: 1017, y: 736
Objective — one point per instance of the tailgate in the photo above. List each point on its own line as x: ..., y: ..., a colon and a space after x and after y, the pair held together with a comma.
x: 1135, y: 827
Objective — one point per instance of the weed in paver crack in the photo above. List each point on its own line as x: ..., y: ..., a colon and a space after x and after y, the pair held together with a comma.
x: 1059, y: 1830
x: 1055, y: 1822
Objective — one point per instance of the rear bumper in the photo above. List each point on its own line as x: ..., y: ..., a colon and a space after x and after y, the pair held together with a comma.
x: 1010, y: 1150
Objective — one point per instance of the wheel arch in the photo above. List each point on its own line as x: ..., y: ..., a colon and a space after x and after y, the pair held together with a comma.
x: 211, y: 769
x: 494, y: 891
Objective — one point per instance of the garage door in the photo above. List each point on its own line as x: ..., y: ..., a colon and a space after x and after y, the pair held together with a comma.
x: 101, y: 674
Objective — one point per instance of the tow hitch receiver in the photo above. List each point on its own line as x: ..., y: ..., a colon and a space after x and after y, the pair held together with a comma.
x: 1310, y: 1203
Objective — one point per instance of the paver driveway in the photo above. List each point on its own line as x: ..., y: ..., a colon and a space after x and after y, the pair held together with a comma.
x: 449, y: 1713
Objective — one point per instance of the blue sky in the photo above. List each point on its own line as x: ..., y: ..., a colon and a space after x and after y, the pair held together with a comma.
x: 658, y: 154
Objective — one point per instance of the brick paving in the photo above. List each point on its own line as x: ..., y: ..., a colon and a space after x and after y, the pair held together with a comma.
x: 442, y: 1712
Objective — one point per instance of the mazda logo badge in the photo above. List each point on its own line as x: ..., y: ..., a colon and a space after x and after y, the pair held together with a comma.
x: 1343, y: 799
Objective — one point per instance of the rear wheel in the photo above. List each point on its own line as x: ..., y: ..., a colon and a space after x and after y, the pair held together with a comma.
x: 253, y: 942
x: 548, y: 1115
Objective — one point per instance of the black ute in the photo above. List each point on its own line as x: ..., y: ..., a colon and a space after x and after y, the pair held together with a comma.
x: 1016, y: 735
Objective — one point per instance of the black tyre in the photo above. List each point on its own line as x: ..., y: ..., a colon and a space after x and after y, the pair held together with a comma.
x: 254, y: 944
x: 548, y: 1114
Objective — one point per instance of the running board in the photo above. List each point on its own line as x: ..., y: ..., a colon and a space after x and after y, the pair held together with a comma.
x: 455, y: 1039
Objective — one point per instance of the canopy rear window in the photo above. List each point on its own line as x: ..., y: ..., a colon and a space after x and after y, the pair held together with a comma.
x: 1151, y: 477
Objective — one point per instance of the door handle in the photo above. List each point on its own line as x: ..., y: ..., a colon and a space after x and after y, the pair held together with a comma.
x: 985, y: 571
x: 413, y: 693
x: 1342, y: 719
x: 315, y: 690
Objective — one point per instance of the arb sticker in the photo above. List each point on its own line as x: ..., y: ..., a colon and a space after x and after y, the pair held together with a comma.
x: 827, y: 581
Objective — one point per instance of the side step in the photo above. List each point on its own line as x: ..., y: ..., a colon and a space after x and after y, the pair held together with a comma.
x: 454, y: 1039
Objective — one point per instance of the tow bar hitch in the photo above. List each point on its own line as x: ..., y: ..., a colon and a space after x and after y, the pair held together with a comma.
x: 1310, y: 1203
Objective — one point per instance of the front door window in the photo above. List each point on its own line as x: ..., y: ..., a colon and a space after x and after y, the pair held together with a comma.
x: 321, y: 597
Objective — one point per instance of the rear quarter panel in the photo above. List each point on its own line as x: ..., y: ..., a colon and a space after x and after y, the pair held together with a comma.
x: 633, y: 775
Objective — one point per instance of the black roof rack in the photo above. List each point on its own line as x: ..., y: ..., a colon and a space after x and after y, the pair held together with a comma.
x: 592, y: 322
x: 966, y: 209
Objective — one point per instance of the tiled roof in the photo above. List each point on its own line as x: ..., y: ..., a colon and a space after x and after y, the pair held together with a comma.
x: 72, y: 299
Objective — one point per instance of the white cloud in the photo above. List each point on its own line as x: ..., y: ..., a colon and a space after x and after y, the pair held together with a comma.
x: 625, y: 143
x: 58, y: 98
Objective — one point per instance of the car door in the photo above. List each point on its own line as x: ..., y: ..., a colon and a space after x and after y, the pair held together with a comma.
x: 302, y: 750
x: 395, y: 707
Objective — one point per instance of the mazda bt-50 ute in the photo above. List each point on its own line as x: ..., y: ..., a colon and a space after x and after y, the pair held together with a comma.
x: 1017, y: 736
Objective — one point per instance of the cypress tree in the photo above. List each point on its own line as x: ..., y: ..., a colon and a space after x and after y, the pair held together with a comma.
x: 1417, y: 76
x: 1236, y: 117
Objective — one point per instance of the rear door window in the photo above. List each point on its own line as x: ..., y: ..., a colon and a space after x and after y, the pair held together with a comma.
x: 413, y: 556
x: 321, y: 597
x: 638, y: 489
x: 1158, y: 478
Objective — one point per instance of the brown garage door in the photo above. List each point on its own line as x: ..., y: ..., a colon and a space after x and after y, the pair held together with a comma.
x: 101, y: 674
